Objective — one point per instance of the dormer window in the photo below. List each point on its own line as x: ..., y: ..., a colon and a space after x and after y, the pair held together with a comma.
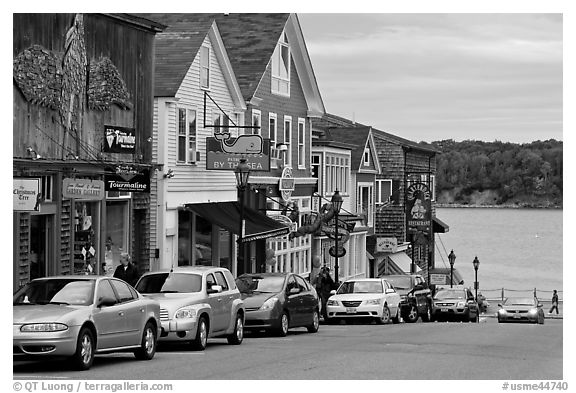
x: 366, y: 160
x: 281, y: 67
x: 204, y: 67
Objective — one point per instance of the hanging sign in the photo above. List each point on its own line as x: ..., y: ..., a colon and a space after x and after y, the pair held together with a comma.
x: 419, y: 207
x: 83, y: 189
x: 119, y: 140
x: 26, y: 194
x: 127, y: 178
x: 286, y: 184
x: 225, y: 155
x: 386, y: 244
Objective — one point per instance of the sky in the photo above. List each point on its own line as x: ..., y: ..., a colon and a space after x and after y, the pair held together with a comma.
x: 428, y: 77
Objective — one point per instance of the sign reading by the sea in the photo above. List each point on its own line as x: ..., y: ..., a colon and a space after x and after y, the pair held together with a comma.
x: 419, y: 208
x: 127, y: 178
x: 224, y: 153
x: 119, y: 140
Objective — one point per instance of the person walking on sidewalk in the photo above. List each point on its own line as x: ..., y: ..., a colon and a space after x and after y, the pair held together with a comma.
x: 554, y: 302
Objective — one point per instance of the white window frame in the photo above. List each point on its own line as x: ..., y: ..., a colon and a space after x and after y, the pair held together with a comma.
x: 366, y: 157
x: 337, y: 173
x: 273, y: 141
x: 302, y: 144
x: 256, y: 114
x: 370, y: 205
x: 221, y: 122
x: 379, y: 182
x: 288, y: 141
x: 190, y: 155
x: 204, y: 69
x: 47, y: 187
x: 276, y: 64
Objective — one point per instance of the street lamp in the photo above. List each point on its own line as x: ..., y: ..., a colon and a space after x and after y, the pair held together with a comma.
x: 337, y: 204
x: 452, y: 259
x: 476, y: 264
x: 242, y: 173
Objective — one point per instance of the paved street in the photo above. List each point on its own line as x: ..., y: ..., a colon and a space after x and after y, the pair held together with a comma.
x: 486, y: 350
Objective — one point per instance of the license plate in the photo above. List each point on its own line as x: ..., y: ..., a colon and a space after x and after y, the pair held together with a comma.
x: 517, y: 316
x: 350, y: 310
x: 444, y: 309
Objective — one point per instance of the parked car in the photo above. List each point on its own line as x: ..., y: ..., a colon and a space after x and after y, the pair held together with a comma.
x: 367, y: 298
x: 518, y: 309
x: 454, y: 303
x: 415, y: 296
x: 79, y: 316
x: 278, y: 302
x: 196, y: 302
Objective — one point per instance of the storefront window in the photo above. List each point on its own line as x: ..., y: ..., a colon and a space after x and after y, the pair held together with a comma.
x: 203, y: 242
x: 85, y: 236
x: 184, y: 238
x: 117, y: 231
x: 225, y: 249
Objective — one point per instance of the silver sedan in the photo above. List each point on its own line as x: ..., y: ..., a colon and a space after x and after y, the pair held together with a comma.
x: 79, y: 316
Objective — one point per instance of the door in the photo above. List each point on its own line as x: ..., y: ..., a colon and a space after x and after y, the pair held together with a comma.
x: 216, y: 300
x: 307, y: 301
x: 109, y: 320
x: 41, y: 246
x: 227, y: 299
x: 133, y: 312
x: 293, y: 303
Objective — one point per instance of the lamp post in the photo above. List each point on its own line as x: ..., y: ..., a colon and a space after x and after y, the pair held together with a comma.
x: 337, y: 204
x: 476, y: 264
x: 242, y: 173
x: 452, y: 259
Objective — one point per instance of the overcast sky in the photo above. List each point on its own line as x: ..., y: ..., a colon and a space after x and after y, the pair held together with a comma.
x: 441, y: 76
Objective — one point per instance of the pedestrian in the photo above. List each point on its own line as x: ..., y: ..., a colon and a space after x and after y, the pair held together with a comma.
x: 554, y: 302
x: 126, y: 271
x: 324, y: 284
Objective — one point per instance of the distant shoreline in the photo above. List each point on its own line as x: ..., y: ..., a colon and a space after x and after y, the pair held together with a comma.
x: 527, y: 206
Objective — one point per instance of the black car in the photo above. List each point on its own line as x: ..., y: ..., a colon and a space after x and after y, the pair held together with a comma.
x: 278, y: 301
x: 415, y: 296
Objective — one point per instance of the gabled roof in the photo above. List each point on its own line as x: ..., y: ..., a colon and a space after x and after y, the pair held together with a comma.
x: 175, y: 52
x: 359, y: 136
x: 250, y: 40
x: 329, y: 120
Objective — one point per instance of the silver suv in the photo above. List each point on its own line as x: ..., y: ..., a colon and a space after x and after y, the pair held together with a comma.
x: 196, y: 302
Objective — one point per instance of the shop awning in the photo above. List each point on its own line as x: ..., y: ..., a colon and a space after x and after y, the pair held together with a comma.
x: 439, y: 226
x: 403, y: 262
x: 227, y: 215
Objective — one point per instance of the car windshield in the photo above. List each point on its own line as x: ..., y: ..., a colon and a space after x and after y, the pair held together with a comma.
x: 524, y: 301
x: 360, y: 287
x: 56, y: 291
x: 450, y: 294
x: 255, y: 283
x: 399, y: 282
x: 170, y: 283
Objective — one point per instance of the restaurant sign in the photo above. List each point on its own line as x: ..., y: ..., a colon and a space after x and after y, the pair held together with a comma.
x: 26, y: 194
x: 386, y: 244
x: 225, y: 155
x: 119, y: 140
x: 419, y: 207
x: 83, y: 189
x: 127, y: 178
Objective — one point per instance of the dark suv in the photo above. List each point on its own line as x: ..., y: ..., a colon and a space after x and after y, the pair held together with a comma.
x: 455, y: 302
x: 415, y: 296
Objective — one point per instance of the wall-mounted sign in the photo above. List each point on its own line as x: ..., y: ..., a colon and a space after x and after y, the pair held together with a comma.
x: 26, y: 194
x: 418, y: 207
x: 438, y: 279
x: 119, y: 140
x: 286, y: 184
x: 341, y: 251
x: 127, y: 178
x: 224, y: 156
x: 386, y: 244
x: 83, y: 189
x: 286, y: 221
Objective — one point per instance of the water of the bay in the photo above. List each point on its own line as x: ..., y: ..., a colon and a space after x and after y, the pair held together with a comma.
x: 518, y: 249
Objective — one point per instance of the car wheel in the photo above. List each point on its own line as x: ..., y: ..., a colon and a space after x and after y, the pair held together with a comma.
x: 238, y: 334
x: 148, y: 345
x: 466, y: 316
x: 412, y: 315
x: 201, y: 340
x: 474, y: 318
x: 427, y: 316
x: 84, y: 355
x: 396, y: 318
x: 282, y: 329
x: 385, y: 318
x: 500, y: 319
x: 315, y: 322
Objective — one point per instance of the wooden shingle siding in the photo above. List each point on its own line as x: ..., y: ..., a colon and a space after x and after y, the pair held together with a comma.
x: 24, y: 250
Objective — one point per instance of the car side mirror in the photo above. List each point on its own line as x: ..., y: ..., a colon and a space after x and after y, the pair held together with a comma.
x: 539, y: 304
x: 333, y: 292
x: 390, y: 290
x: 499, y: 304
x: 293, y: 291
x: 106, y: 301
x: 214, y: 289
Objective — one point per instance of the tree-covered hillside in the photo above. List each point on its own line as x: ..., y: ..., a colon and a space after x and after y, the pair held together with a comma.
x: 498, y: 173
